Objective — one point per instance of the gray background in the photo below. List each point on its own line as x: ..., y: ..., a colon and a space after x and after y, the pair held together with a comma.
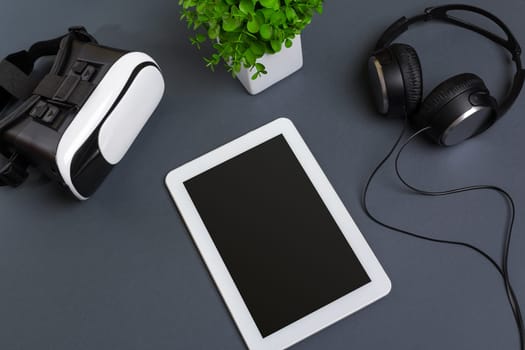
x: 120, y: 271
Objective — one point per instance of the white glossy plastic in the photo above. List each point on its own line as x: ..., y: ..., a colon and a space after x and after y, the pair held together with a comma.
x: 133, y: 111
x: 378, y: 287
x: 93, y: 112
x: 279, y: 66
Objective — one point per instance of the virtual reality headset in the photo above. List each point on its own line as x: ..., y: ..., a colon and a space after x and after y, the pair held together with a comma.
x: 77, y: 122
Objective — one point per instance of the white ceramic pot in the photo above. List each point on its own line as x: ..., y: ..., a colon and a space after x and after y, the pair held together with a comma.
x: 278, y: 65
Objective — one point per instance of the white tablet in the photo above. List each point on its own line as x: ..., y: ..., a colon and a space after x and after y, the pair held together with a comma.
x: 284, y: 252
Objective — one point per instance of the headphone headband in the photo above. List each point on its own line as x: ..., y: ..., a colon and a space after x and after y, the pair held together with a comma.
x: 440, y: 13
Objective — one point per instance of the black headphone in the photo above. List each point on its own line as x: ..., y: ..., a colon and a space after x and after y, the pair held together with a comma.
x: 457, y: 109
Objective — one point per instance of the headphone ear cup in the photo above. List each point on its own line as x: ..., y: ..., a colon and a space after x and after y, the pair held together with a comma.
x: 395, y: 79
x: 411, y: 72
x: 457, y: 109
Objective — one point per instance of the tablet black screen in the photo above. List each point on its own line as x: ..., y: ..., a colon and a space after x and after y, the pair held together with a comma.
x: 281, y: 245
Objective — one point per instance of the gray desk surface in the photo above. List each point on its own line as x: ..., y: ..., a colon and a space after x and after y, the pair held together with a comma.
x: 120, y: 271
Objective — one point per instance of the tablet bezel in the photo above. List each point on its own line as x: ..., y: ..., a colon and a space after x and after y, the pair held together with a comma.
x: 378, y: 287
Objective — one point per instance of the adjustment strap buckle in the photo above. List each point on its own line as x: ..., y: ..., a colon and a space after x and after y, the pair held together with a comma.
x: 70, y: 89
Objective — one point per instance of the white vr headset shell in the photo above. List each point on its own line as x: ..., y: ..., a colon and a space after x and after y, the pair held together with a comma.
x: 80, y: 119
x: 109, y: 121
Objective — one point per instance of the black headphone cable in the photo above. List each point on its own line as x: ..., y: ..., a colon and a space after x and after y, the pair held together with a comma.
x: 503, y: 270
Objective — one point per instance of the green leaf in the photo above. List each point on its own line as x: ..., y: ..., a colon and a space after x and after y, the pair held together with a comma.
x: 236, y: 67
x: 276, y: 45
x: 266, y: 31
x: 278, y: 18
x: 220, y: 8
x: 266, y: 13
x: 257, y: 48
x: 195, y: 43
x: 253, y: 26
x: 247, y: 29
x: 270, y: 4
x: 259, y: 15
x: 247, y: 6
x: 291, y: 15
x: 188, y: 4
x: 235, y: 12
x: 230, y: 24
x: 213, y: 32
x: 260, y: 69
x: 250, y: 58
x: 278, y: 34
x: 201, y: 7
x: 200, y: 38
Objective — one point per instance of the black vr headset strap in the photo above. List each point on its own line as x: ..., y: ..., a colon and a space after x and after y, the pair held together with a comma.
x: 16, y: 68
x: 15, y: 85
x: 13, y: 170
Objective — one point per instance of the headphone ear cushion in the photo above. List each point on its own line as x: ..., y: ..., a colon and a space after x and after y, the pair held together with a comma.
x: 410, y: 66
x: 444, y: 93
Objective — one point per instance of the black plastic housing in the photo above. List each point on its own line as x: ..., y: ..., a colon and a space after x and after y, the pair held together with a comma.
x: 36, y: 137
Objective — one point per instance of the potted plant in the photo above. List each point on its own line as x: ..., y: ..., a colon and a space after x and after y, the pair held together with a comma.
x: 258, y: 40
